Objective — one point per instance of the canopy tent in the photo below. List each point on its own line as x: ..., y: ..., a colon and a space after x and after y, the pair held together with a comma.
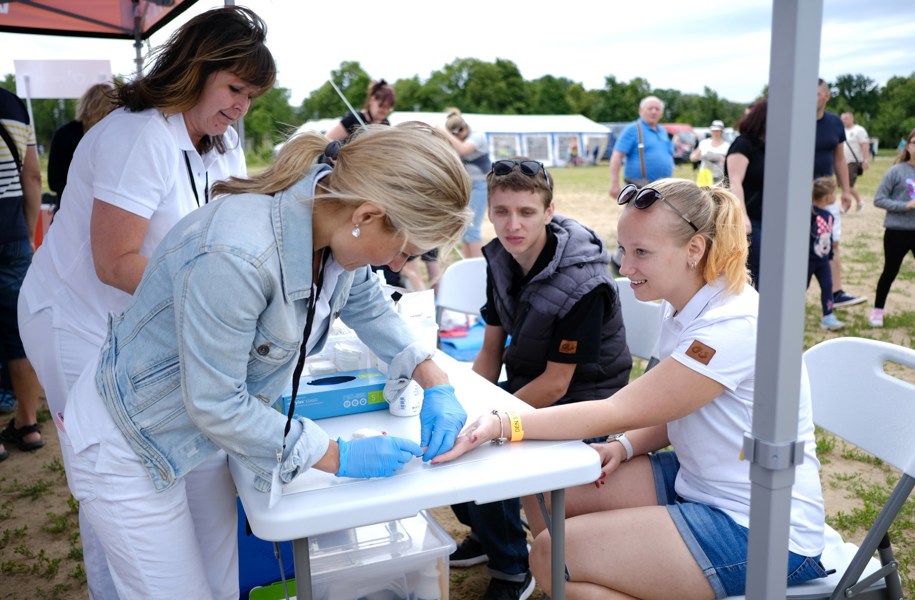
x: 120, y: 19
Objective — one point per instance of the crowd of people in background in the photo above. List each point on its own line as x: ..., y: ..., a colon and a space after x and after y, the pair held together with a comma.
x: 89, y: 316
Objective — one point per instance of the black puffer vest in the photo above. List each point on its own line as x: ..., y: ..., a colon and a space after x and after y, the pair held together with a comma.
x: 581, y: 263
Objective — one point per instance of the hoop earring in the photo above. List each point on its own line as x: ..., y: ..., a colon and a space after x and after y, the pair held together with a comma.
x: 356, y: 231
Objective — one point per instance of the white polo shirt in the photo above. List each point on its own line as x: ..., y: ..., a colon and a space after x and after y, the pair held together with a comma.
x: 135, y: 161
x: 715, y: 335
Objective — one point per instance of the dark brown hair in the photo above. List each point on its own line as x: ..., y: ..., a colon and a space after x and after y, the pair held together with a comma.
x: 230, y: 38
x: 380, y: 91
x: 905, y: 155
x: 753, y: 124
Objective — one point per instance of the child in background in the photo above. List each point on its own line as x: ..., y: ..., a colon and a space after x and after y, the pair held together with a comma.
x: 821, y: 221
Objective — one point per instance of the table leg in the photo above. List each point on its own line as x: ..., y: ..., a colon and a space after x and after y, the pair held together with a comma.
x: 302, y: 568
x: 558, y: 537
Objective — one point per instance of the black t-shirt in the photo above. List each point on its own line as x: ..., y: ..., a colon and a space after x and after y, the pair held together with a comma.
x: 63, y: 145
x: 830, y: 133
x: 583, y: 323
x: 351, y: 123
x: 755, y: 151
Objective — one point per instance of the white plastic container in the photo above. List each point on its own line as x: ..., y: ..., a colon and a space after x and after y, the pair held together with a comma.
x: 409, y: 403
x: 406, y: 559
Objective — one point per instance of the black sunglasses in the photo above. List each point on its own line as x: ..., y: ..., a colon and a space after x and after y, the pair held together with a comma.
x: 527, y: 167
x: 645, y: 197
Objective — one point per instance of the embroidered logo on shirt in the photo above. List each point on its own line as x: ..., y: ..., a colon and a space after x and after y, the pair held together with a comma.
x: 700, y: 352
x: 568, y: 346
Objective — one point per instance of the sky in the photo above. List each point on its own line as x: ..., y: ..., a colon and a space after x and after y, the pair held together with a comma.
x: 720, y: 44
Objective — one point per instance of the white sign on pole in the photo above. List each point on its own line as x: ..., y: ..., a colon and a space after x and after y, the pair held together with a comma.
x: 59, y: 78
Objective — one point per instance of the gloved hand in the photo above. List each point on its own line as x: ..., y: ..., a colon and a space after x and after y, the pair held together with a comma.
x: 441, y: 419
x: 378, y: 456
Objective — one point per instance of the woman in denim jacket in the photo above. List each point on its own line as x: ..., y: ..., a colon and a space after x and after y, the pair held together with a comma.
x: 190, y: 370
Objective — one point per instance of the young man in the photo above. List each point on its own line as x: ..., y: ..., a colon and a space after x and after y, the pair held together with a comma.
x: 548, y: 286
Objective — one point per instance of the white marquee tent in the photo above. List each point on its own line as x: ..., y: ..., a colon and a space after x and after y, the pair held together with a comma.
x: 547, y: 138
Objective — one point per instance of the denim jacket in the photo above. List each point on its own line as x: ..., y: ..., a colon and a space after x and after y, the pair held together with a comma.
x: 212, y: 337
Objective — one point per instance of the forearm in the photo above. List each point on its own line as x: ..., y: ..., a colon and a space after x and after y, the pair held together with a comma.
x: 648, y: 439
x: 330, y: 462
x: 31, y: 190
x: 428, y: 374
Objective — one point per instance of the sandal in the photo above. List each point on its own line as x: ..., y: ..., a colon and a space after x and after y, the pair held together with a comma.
x: 16, y: 435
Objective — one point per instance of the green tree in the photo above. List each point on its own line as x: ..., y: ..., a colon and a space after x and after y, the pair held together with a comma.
x: 619, y: 102
x: 548, y: 96
x: 324, y: 102
x: 270, y: 119
x: 858, y: 94
x: 897, y: 111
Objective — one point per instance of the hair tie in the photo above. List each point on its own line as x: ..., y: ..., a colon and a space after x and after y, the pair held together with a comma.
x: 330, y: 153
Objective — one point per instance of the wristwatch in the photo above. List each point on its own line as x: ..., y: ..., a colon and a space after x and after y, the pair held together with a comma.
x: 627, y: 445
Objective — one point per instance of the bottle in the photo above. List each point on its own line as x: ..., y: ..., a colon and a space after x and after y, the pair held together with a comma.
x: 428, y: 586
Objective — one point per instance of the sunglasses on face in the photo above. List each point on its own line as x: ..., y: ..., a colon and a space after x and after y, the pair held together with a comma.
x: 645, y: 197
x: 527, y: 167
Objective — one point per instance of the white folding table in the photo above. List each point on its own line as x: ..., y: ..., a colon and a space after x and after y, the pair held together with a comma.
x: 318, y: 502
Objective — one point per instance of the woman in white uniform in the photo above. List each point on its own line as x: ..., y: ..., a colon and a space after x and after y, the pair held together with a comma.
x: 234, y: 298
x: 133, y: 176
x: 673, y: 523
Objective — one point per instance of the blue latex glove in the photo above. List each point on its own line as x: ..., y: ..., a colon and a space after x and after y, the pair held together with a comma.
x: 378, y: 456
x: 441, y: 420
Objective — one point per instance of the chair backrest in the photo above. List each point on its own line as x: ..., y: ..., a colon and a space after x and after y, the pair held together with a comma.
x: 462, y: 287
x: 855, y: 397
x: 641, y: 319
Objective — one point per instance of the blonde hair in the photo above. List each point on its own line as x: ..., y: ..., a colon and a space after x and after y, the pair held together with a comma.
x: 823, y: 187
x: 455, y: 123
x: 410, y: 171
x: 718, y: 216
x: 94, y: 104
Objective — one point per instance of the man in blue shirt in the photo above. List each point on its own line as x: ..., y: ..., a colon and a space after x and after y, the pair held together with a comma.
x: 829, y: 160
x: 657, y: 161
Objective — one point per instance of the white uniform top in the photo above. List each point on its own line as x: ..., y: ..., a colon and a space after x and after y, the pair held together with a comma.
x: 135, y: 161
x: 715, y: 335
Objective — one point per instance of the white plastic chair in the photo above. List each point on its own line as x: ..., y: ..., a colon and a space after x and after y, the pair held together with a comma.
x: 461, y: 288
x: 642, y: 321
x: 856, y: 399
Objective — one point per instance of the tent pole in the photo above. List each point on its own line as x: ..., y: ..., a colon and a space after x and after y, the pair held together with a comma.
x: 790, y: 130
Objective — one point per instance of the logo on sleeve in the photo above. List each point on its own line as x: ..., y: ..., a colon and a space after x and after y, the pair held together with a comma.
x: 568, y: 347
x: 700, y: 352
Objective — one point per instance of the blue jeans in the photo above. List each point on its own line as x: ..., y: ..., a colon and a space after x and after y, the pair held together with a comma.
x: 497, y: 526
x: 15, y: 258
x: 715, y: 540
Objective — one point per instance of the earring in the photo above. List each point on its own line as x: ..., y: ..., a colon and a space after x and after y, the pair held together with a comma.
x: 692, y: 266
x: 356, y: 231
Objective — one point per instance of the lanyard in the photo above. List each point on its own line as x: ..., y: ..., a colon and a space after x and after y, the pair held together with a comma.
x: 309, y: 320
x: 190, y: 177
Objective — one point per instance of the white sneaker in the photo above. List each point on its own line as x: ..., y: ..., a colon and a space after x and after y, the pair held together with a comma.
x: 876, y: 317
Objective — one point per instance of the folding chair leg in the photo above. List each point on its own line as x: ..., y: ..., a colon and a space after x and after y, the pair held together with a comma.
x: 877, y: 537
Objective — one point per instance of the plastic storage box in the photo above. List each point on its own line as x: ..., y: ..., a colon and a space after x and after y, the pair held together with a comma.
x: 406, y: 559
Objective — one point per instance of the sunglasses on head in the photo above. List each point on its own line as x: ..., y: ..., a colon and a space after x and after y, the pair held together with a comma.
x: 527, y: 167
x: 645, y: 197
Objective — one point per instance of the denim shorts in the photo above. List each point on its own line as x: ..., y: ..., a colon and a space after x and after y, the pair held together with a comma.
x: 715, y: 540
x: 15, y: 258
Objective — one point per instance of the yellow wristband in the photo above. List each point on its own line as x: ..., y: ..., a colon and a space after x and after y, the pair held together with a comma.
x: 516, y: 428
